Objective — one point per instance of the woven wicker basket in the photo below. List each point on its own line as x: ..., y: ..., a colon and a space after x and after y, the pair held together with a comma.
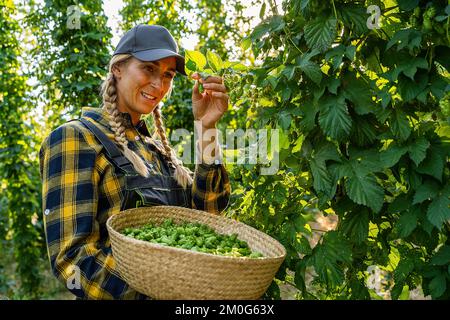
x: 164, y: 272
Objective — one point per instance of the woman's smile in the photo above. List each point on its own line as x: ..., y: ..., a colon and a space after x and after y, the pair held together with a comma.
x: 148, y: 96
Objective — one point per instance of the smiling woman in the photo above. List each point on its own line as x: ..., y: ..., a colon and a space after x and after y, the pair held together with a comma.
x: 107, y: 161
x: 136, y: 87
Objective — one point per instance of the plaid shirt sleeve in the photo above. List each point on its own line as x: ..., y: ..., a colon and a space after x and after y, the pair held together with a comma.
x: 70, y: 200
x: 211, y: 188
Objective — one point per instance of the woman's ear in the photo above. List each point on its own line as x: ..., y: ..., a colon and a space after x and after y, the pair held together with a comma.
x: 117, y: 70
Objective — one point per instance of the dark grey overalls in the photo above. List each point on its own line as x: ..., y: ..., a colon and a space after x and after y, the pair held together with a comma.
x: 157, y: 189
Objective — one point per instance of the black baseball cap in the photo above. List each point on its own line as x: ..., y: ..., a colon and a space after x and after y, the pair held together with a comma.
x: 150, y: 43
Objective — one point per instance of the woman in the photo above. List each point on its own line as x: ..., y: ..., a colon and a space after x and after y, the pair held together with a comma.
x: 106, y: 162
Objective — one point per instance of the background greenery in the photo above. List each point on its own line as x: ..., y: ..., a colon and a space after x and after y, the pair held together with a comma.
x: 364, y: 117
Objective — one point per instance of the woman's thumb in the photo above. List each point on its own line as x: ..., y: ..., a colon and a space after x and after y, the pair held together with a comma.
x: 196, y: 91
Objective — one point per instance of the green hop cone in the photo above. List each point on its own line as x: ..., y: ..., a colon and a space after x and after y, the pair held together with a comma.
x: 192, y: 236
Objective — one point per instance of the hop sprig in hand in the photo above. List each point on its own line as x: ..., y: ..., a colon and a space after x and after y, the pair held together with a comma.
x: 214, y: 78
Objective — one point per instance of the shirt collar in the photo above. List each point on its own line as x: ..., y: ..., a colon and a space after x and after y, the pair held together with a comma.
x: 102, y: 117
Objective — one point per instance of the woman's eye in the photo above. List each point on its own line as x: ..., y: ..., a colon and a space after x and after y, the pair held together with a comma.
x: 150, y: 69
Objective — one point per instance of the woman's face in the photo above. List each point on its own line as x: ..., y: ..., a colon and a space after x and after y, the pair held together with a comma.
x: 142, y: 85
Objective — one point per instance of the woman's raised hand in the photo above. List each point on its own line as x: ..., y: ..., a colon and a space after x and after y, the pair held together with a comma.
x: 209, y: 106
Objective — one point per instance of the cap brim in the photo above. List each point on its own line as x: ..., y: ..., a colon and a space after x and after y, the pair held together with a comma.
x: 157, y: 54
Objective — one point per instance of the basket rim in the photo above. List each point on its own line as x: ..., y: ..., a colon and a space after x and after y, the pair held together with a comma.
x: 187, y: 251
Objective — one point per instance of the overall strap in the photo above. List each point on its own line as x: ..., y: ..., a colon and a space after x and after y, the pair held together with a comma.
x: 111, y: 148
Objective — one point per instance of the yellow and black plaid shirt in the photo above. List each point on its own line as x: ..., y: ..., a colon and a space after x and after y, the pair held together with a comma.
x: 81, y: 190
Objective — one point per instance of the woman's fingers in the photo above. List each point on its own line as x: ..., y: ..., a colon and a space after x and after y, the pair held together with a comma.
x: 214, y: 86
x: 196, y: 91
x: 220, y: 95
x: 213, y: 79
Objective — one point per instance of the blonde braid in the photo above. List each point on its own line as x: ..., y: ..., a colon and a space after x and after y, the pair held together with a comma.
x: 181, y: 174
x: 116, y: 122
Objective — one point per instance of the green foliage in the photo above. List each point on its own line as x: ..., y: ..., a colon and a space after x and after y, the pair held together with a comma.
x: 328, y: 257
x: 320, y: 33
x: 211, y: 65
x: 71, y: 60
x: 365, y: 113
x: 19, y: 177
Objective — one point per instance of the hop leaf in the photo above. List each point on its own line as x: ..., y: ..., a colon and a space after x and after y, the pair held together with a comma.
x: 365, y: 190
x: 334, y: 118
x: 197, y: 57
x: 439, y: 210
x: 327, y: 256
x: 442, y: 257
x: 214, y: 61
x: 320, y: 33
